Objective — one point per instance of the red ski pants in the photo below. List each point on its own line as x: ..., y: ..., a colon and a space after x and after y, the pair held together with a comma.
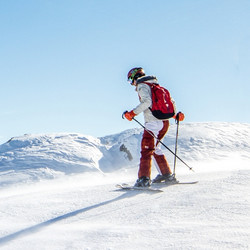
x: 150, y: 147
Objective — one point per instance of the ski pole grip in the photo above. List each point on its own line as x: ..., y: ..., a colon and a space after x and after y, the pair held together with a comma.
x: 124, y: 114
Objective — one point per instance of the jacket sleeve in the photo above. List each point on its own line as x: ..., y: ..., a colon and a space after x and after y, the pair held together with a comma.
x: 144, y: 93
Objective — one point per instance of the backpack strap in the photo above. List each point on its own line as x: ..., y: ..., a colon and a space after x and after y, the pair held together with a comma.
x: 151, y: 85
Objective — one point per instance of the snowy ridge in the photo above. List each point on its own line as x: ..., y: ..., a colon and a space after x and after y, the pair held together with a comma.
x: 35, y: 157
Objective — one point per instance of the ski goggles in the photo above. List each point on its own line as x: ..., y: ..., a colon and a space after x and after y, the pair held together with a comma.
x: 132, y: 75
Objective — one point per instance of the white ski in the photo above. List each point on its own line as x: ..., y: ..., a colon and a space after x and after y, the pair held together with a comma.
x: 126, y: 186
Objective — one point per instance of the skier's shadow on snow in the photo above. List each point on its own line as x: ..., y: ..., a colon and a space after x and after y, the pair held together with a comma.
x: 36, y: 228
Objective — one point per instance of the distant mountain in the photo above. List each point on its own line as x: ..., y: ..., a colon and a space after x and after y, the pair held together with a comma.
x: 43, y: 156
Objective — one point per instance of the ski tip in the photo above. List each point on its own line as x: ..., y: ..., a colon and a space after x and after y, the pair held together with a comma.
x: 186, y: 182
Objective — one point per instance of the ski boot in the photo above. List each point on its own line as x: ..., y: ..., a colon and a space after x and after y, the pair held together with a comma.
x: 143, y: 182
x: 164, y: 178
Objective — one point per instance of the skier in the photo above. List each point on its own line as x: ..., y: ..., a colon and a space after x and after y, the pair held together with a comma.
x: 149, y: 145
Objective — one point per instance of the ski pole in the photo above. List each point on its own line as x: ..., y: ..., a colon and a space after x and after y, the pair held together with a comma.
x: 176, y: 138
x: 164, y: 145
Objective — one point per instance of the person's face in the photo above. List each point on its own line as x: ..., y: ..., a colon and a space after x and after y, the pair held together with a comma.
x: 134, y: 83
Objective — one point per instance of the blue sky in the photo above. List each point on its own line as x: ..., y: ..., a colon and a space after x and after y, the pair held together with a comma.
x: 63, y: 64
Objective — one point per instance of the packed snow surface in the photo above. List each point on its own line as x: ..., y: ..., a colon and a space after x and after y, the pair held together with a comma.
x: 57, y: 191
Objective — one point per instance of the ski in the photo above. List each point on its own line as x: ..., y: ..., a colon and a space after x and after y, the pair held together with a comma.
x: 126, y: 186
x: 170, y: 183
x: 155, y: 187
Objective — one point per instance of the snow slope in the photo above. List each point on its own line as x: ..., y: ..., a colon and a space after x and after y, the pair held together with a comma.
x: 58, y: 192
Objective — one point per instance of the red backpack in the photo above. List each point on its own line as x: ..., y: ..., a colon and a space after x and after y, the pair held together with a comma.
x: 162, y: 105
